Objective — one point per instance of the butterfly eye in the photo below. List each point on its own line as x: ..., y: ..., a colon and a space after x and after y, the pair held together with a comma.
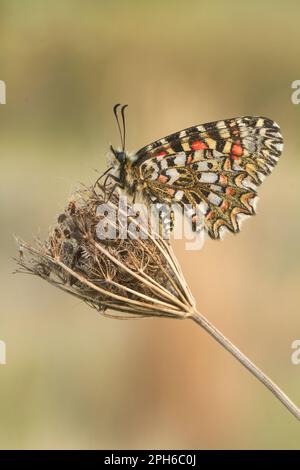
x: 120, y: 156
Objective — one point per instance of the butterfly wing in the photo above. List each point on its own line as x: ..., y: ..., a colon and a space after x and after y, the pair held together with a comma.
x: 213, y: 168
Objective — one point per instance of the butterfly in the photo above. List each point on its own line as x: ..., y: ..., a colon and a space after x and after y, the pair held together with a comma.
x: 215, y: 169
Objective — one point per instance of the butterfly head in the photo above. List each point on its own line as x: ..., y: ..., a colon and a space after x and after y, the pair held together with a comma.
x: 119, y: 155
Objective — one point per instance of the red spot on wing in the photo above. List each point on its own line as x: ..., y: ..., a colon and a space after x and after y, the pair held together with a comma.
x: 230, y: 191
x: 161, y: 154
x: 210, y: 215
x: 224, y: 205
x: 223, y: 179
x: 162, y: 179
x: 198, y: 145
x: 237, y: 150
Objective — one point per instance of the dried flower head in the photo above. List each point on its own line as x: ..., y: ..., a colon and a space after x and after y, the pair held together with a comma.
x: 133, y: 275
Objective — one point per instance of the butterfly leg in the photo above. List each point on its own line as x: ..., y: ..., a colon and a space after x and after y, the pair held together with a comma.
x: 101, y: 176
x: 118, y: 184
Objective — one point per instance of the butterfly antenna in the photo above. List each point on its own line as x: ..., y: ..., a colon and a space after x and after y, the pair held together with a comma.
x: 115, y: 109
x: 124, y: 125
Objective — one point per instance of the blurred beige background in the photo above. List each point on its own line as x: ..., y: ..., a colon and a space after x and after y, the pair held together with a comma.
x: 73, y: 379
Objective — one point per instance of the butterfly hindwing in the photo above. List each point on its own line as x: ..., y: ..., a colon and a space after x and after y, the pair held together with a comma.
x: 215, y: 168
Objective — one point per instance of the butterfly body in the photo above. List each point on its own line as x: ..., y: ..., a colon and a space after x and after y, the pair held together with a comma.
x: 214, y: 168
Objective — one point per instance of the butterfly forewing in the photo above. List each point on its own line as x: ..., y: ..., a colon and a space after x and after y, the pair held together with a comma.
x: 214, y: 167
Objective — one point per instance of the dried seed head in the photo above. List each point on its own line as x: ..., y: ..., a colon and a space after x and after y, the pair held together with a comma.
x: 133, y: 275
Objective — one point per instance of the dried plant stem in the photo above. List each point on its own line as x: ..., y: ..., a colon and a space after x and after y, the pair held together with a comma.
x: 232, y: 349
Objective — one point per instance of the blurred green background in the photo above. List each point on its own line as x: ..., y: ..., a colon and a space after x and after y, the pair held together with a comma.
x: 74, y: 379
